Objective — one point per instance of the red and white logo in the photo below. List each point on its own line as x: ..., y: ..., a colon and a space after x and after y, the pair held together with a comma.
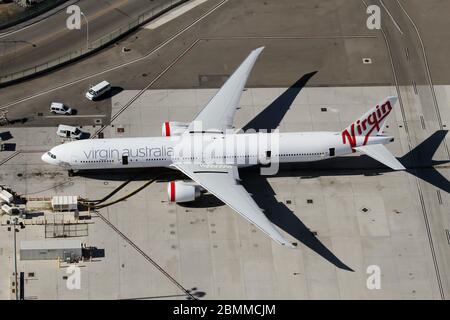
x: 366, y: 125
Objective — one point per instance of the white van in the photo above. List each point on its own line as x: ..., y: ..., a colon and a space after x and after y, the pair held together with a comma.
x: 60, y: 108
x: 69, y: 132
x: 97, y: 90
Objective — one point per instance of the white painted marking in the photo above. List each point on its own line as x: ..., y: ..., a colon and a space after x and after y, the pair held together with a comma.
x: 392, y: 18
x: 173, y: 14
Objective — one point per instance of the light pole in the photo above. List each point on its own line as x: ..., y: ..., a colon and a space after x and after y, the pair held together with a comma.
x: 15, y: 259
x: 87, y: 28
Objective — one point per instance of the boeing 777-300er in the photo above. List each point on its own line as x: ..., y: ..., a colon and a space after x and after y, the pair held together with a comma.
x: 217, y: 171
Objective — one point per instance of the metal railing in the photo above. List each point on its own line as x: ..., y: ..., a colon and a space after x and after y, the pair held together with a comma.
x: 93, y: 45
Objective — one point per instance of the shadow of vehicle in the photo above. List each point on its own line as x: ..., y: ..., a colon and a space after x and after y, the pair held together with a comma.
x: 109, y: 94
x: 8, y: 147
x: 5, y: 136
x: 92, y: 253
x: 31, y: 215
x: 15, y: 121
x: 85, y: 135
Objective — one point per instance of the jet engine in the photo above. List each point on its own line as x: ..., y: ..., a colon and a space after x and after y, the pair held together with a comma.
x: 173, y: 128
x: 180, y: 191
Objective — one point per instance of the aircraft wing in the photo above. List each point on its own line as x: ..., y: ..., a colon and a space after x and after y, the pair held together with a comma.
x: 218, y: 114
x: 222, y: 181
x: 381, y: 154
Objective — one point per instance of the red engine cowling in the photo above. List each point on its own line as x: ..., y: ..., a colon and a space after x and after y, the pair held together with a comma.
x: 171, y: 128
x: 180, y: 191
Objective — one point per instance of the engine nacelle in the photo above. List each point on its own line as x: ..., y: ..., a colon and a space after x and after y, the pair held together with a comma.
x: 171, y: 128
x: 180, y: 191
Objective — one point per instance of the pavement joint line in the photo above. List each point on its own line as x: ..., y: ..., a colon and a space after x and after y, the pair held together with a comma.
x: 16, y: 153
x: 160, y: 46
x: 392, y: 18
x: 146, y: 256
x: 291, y: 37
x: 132, y: 100
x: 72, y: 179
x: 427, y: 67
x: 436, y: 106
x: 198, y: 39
x: 2, y: 162
x: 147, y: 55
x: 409, y: 140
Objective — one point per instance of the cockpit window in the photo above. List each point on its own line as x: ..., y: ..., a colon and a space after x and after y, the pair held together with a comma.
x: 51, y: 155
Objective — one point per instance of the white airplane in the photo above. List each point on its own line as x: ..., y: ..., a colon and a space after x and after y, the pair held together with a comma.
x: 187, y: 148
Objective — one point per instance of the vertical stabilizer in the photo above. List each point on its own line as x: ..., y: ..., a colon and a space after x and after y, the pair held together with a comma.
x: 370, y: 124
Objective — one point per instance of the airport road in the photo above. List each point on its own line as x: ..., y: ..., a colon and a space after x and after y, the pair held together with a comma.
x: 49, y: 39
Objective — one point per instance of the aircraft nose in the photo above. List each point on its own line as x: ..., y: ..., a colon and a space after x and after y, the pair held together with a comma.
x: 45, y: 158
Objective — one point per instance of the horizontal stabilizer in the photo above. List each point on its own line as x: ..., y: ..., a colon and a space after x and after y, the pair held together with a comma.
x: 381, y: 154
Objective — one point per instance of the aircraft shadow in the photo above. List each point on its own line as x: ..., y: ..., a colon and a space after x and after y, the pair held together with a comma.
x: 280, y: 215
x: 270, y: 118
x: 206, y: 200
x: 418, y: 162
